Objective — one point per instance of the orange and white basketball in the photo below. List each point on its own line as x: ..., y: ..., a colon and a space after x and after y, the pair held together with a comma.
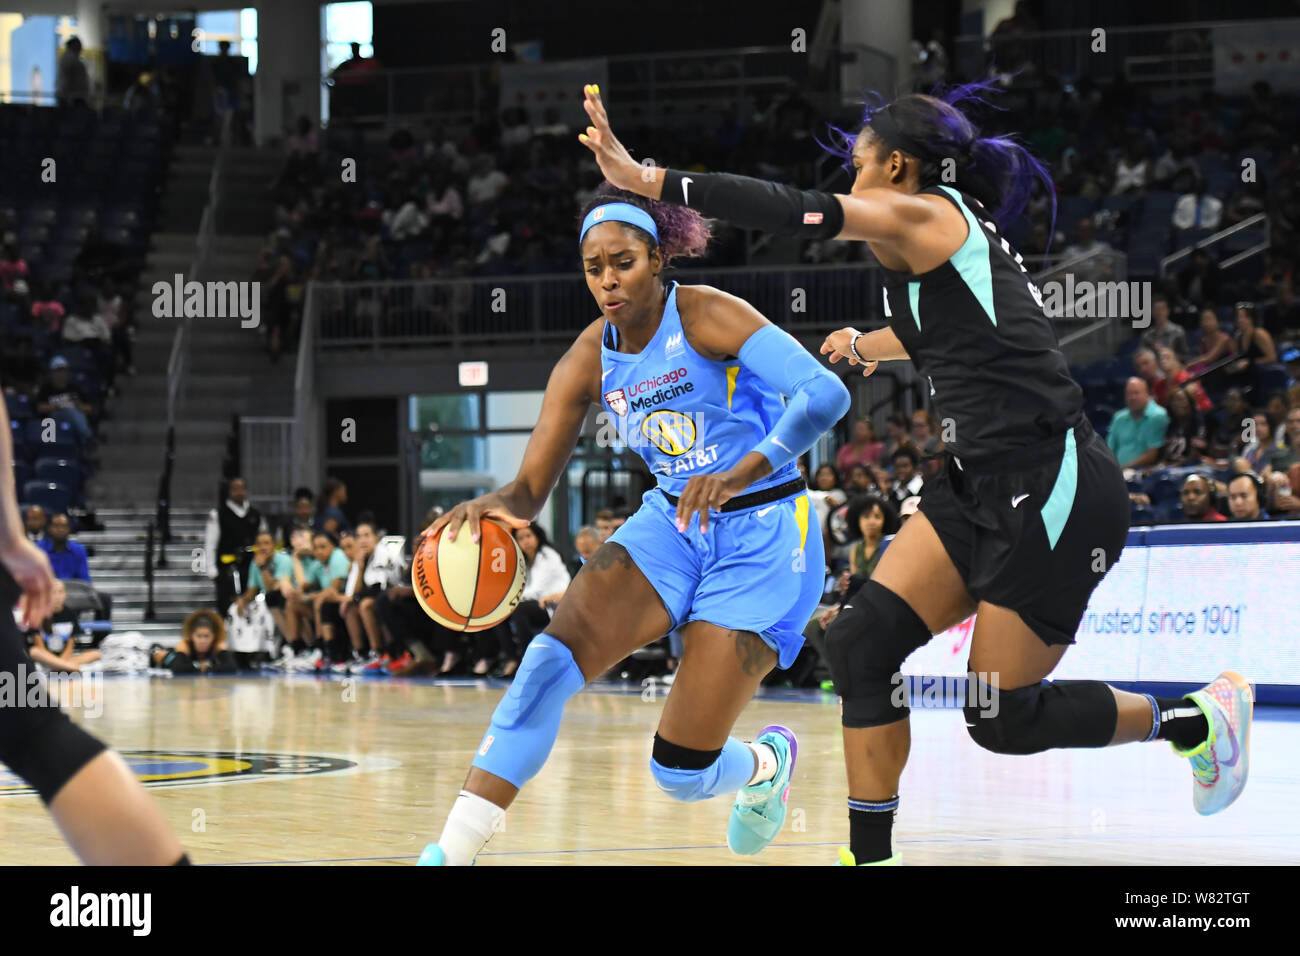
x: 469, y: 585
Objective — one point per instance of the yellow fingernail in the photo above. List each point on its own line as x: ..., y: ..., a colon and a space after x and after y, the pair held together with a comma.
x: 596, y: 88
x: 590, y: 130
x: 582, y: 137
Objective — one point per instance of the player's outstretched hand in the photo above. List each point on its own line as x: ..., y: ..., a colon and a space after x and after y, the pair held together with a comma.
x: 614, y: 160
x: 30, y: 567
x: 839, y: 345
x: 485, y: 506
x: 704, y: 492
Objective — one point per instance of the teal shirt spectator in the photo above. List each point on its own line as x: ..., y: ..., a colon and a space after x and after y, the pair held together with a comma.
x: 311, y: 569
x: 337, y: 567
x: 281, y: 567
x: 1129, y: 437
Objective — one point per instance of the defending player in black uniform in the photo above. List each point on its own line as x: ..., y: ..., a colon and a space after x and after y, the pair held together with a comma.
x: 1031, y: 510
x: 103, y: 812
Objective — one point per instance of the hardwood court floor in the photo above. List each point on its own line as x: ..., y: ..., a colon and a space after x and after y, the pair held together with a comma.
x: 405, y: 746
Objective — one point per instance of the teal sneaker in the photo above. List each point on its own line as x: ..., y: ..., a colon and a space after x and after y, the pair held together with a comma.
x: 432, y: 856
x: 1220, y: 763
x: 759, y: 812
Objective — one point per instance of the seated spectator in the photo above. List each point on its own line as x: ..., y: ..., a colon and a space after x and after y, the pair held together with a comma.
x: 1147, y: 367
x: 1253, y: 346
x: 1185, y: 441
x: 202, y: 647
x: 1280, y: 459
x: 303, y: 507
x: 303, y: 582
x: 547, y: 580
x: 586, y: 542
x: 63, y: 401
x: 1132, y: 169
x: 1138, y: 430
x: 1285, y: 491
x: 1216, y: 345
x: 1254, y: 455
x: 12, y: 266
x: 1200, y: 281
x: 604, y: 519
x: 1197, y: 500
x: 1176, y: 375
x: 924, y: 427
x: 487, y: 183
x: 1087, y: 244
x: 47, y: 311
x: 826, y: 492
x: 895, y: 435
x: 410, y: 634
x: 34, y: 523
x: 860, y: 480
x: 907, y: 477
x: 1197, y: 208
x: 872, y: 519
x: 367, y: 580
x: 1164, y: 332
x: 1246, y: 498
x: 1227, y: 426
x: 269, y: 573
x: 862, y: 449
x: 67, y: 557
x: 87, y: 328
x: 332, y: 566
x: 51, y: 645
x: 331, y: 517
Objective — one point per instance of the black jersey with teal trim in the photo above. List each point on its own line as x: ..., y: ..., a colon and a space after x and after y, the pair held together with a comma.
x: 976, y: 328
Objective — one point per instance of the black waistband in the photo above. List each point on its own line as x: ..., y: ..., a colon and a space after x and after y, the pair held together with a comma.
x: 755, y: 498
x: 1016, y: 459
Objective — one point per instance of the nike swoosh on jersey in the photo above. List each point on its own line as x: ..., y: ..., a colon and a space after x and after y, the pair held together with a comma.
x: 1015, y: 502
x: 777, y: 442
x: 605, y: 373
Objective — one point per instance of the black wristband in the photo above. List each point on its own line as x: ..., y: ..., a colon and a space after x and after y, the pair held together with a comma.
x: 756, y: 203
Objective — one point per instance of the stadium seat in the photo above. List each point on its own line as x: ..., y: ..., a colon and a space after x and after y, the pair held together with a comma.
x: 50, y: 495
x: 65, y: 471
x: 22, y: 472
x: 19, y: 407
x: 1272, y: 378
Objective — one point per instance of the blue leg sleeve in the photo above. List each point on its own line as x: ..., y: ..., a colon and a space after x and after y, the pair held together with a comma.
x: 727, y: 774
x: 527, y: 720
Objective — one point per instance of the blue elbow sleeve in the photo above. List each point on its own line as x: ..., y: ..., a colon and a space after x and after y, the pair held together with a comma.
x: 817, y: 398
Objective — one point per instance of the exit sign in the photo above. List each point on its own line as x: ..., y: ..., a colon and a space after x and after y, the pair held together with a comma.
x: 473, y: 374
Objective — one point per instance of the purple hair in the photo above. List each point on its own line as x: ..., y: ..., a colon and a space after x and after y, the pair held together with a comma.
x: 683, y: 232
x: 996, y: 170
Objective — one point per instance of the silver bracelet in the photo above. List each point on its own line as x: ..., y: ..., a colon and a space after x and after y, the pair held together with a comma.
x: 853, y: 347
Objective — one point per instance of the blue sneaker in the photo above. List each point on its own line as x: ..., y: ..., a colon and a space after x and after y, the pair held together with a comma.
x: 432, y: 856
x: 759, y: 812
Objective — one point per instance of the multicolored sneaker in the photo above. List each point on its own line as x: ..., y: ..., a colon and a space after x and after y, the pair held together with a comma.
x: 759, y: 812
x: 1221, y: 761
x: 846, y: 859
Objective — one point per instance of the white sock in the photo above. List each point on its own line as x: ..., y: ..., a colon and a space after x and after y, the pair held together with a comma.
x: 470, y: 825
x: 766, y: 763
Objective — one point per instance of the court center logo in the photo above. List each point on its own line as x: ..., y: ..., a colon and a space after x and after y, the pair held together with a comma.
x: 164, y: 769
x: 671, y: 432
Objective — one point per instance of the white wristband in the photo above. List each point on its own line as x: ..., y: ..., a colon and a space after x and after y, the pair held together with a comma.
x: 853, y: 347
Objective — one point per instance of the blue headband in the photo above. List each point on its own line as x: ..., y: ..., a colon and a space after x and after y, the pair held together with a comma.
x: 619, y: 212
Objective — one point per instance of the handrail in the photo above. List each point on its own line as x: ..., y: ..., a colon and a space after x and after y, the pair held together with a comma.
x: 1219, y: 236
x: 304, y: 393
x: 149, y: 613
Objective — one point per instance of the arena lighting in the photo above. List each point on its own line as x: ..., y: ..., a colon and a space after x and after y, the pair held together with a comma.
x: 473, y: 374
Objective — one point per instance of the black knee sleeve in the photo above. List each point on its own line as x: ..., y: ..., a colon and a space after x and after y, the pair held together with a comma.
x: 866, y: 645
x: 44, y: 747
x: 1046, y: 716
x: 670, y: 755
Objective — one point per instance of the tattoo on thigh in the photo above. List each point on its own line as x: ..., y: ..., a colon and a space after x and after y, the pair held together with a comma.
x: 609, y: 555
x: 755, y: 656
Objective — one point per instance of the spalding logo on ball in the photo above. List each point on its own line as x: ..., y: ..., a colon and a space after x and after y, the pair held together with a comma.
x: 468, y: 585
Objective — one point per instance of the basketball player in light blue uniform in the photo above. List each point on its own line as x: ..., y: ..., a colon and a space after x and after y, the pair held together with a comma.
x: 727, y: 545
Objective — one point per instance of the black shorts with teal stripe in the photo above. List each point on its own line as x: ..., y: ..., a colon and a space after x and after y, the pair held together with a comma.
x: 1036, y: 529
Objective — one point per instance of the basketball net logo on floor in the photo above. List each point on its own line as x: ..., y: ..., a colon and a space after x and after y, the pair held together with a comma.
x: 159, y: 769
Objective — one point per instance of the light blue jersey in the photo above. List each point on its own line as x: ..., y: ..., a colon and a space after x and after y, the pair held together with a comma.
x: 684, y: 414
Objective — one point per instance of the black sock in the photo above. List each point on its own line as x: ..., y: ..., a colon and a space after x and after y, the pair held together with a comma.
x: 299, y: 646
x: 183, y: 861
x: 871, y: 829
x: 1181, y: 722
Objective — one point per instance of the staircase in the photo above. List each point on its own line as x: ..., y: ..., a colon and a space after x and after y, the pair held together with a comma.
x: 117, y: 568
x: 228, y: 370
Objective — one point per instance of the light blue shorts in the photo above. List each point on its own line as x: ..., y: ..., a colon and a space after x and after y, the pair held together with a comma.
x: 760, y: 570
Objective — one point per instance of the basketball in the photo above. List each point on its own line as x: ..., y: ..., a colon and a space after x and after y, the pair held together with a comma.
x: 468, y: 585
